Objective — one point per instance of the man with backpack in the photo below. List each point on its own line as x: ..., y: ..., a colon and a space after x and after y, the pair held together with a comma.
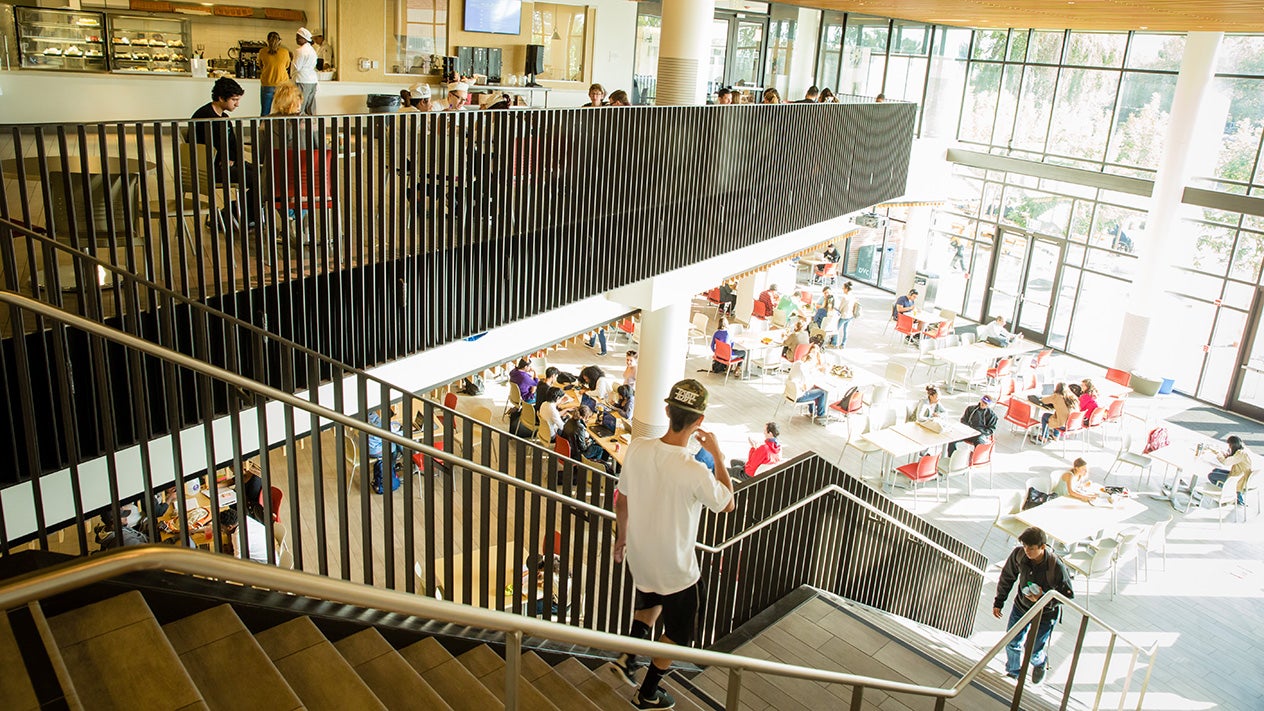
x: 1036, y: 569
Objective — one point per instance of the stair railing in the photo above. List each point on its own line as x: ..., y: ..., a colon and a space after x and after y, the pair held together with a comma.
x: 72, y: 575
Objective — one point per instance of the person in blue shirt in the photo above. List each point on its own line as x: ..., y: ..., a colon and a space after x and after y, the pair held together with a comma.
x: 904, y: 304
x: 375, y: 443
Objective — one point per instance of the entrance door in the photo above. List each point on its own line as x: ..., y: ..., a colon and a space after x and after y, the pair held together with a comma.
x: 737, y: 50
x: 1023, y: 283
x: 1246, y: 391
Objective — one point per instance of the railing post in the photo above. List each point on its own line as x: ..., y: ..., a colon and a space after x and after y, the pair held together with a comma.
x: 1029, y: 646
x: 733, y: 697
x: 1132, y: 667
x: 513, y: 668
x: 1075, y: 661
x: 857, y: 697
x: 1101, y: 684
x: 1145, y: 683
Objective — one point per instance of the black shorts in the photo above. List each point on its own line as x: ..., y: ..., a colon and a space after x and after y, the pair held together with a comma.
x: 680, y: 611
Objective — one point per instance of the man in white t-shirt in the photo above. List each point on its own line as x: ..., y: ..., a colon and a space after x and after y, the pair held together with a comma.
x: 256, y: 535
x: 995, y: 329
x: 662, y: 490
x: 303, y: 69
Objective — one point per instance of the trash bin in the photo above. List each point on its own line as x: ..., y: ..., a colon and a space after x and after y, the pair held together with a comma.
x: 927, y: 284
x: 383, y: 103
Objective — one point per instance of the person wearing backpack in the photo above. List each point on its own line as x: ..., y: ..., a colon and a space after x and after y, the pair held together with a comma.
x: 1036, y: 569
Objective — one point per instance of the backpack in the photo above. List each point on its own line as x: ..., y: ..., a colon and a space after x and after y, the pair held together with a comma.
x: 396, y: 482
x: 855, y: 309
x: 472, y: 385
x: 1157, y: 439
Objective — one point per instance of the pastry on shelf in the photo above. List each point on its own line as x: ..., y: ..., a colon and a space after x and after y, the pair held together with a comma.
x: 122, y: 40
x: 72, y: 51
x: 53, y: 52
x: 176, y: 43
x: 94, y: 53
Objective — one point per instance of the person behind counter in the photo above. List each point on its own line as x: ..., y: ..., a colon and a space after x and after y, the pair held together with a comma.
x: 458, y: 92
x: 417, y: 98
x: 619, y: 97
x: 226, y: 147
x: 275, y: 71
x: 596, y: 96
x: 324, y: 53
x: 303, y: 69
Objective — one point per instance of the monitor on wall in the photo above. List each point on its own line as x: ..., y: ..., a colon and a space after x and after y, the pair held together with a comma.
x: 502, y: 17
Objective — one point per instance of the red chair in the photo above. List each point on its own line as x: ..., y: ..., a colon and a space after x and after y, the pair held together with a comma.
x: 1005, y: 391
x: 823, y: 272
x: 1000, y: 369
x: 943, y: 330
x: 1122, y: 377
x: 724, y: 355
x: 1018, y: 414
x: 1041, y: 359
x: 980, y: 455
x: 562, y: 446
x: 628, y: 327
x: 760, y: 310
x: 854, y: 405
x: 1094, y: 422
x: 1074, y: 427
x: 419, y: 459
x: 1114, y: 414
x: 800, y: 352
x: 920, y: 472
x: 805, y: 296
x: 713, y: 297
x: 904, y: 325
x: 274, y: 503
x: 294, y: 186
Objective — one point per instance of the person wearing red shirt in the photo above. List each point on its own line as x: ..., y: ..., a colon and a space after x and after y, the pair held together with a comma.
x: 766, y: 452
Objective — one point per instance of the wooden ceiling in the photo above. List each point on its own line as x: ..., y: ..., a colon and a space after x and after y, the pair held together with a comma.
x: 1154, y: 15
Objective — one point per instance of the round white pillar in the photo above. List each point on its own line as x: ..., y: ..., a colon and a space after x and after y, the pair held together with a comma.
x: 661, y: 362
x: 684, y: 49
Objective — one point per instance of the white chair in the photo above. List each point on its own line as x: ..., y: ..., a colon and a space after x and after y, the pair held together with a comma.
x: 1222, y: 496
x: 1130, y: 458
x: 1128, y: 545
x: 700, y: 327
x: 971, y: 376
x: 968, y: 338
x: 1007, y: 507
x: 790, y: 393
x: 1092, y: 560
x: 927, y: 357
x: 284, y: 556
x: 856, y: 441
x: 897, y: 374
x: 352, y: 455
x: 1155, y: 538
x: 955, y: 465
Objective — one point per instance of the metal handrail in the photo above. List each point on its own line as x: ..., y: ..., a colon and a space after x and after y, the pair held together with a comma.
x: 154, y: 557
x: 262, y: 332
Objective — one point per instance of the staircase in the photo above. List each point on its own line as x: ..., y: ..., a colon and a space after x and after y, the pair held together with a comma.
x: 114, y: 654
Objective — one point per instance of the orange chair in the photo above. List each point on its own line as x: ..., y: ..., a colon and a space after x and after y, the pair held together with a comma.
x: 1074, y: 427
x: 919, y: 472
x: 854, y: 404
x: 713, y: 297
x: 1122, y: 377
x: 1114, y: 415
x: 905, y: 325
x: 943, y: 330
x: 1005, y: 391
x: 760, y: 310
x: 724, y: 355
x: 1094, y: 422
x: 1000, y: 369
x: 800, y: 352
x: 1040, y: 360
x: 823, y: 272
x: 980, y: 455
x: 1018, y: 414
x: 562, y: 446
x: 274, y: 502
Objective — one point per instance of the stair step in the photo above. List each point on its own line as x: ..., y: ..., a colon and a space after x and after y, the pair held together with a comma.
x: 608, y: 674
x: 110, y: 645
x: 395, y: 683
x: 16, y: 691
x: 488, y: 666
x: 601, y: 693
x: 552, y: 685
x: 449, y: 677
x: 314, y: 669
x: 215, y: 646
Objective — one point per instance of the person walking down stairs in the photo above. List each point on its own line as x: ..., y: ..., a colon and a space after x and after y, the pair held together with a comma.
x: 662, y: 490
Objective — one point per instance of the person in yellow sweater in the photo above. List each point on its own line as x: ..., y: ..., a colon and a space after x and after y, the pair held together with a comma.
x: 275, y: 71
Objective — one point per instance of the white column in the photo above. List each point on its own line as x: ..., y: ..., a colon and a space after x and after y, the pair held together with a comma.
x: 661, y: 362
x: 684, y: 48
x: 1160, y: 242
x: 916, y: 236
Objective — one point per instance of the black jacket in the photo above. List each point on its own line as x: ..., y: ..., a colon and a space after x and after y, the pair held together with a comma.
x: 1049, y: 574
x: 981, y: 419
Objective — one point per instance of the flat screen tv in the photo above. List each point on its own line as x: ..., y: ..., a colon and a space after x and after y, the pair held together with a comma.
x: 502, y: 17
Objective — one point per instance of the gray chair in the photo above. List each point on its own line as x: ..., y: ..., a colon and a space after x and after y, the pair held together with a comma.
x: 1090, y: 561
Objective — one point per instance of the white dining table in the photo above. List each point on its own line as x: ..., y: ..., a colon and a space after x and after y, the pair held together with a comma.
x: 1067, y: 520
x: 969, y: 355
x: 909, y: 438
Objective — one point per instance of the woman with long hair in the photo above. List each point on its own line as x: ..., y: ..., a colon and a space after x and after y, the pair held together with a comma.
x: 1063, y: 403
x: 274, y: 71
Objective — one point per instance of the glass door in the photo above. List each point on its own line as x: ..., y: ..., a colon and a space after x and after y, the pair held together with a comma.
x: 1246, y: 393
x: 738, y: 44
x: 719, y: 55
x: 1023, y: 282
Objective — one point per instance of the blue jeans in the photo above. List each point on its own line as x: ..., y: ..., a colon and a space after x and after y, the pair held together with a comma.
x: 601, y: 336
x: 265, y: 99
x: 1014, y: 650
x: 817, y: 397
x: 845, y: 324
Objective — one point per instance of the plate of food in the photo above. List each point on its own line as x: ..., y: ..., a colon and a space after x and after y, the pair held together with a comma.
x: 199, y: 516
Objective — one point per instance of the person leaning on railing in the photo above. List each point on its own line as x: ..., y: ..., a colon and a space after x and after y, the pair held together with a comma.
x: 1036, y: 569
x: 662, y: 490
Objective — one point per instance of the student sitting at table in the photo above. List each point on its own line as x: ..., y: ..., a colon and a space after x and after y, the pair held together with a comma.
x: 831, y: 254
x: 765, y: 451
x: 770, y: 297
x: 1238, y: 461
x: 1088, y: 397
x: 904, y: 305
x: 929, y: 408
x: 795, y: 338
x: 980, y: 417
x: 551, y: 411
x: 728, y: 298
x: 825, y: 306
x: 623, y: 401
x: 1075, y: 483
x: 523, y: 378
x: 576, y: 432
x: 256, y: 536
x: 994, y: 332
x: 629, y: 369
x: 721, y: 335
x: 804, y: 376
x: 1059, y: 405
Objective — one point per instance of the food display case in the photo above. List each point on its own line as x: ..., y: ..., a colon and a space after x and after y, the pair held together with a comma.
x: 62, y: 40
x: 150, y: 45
